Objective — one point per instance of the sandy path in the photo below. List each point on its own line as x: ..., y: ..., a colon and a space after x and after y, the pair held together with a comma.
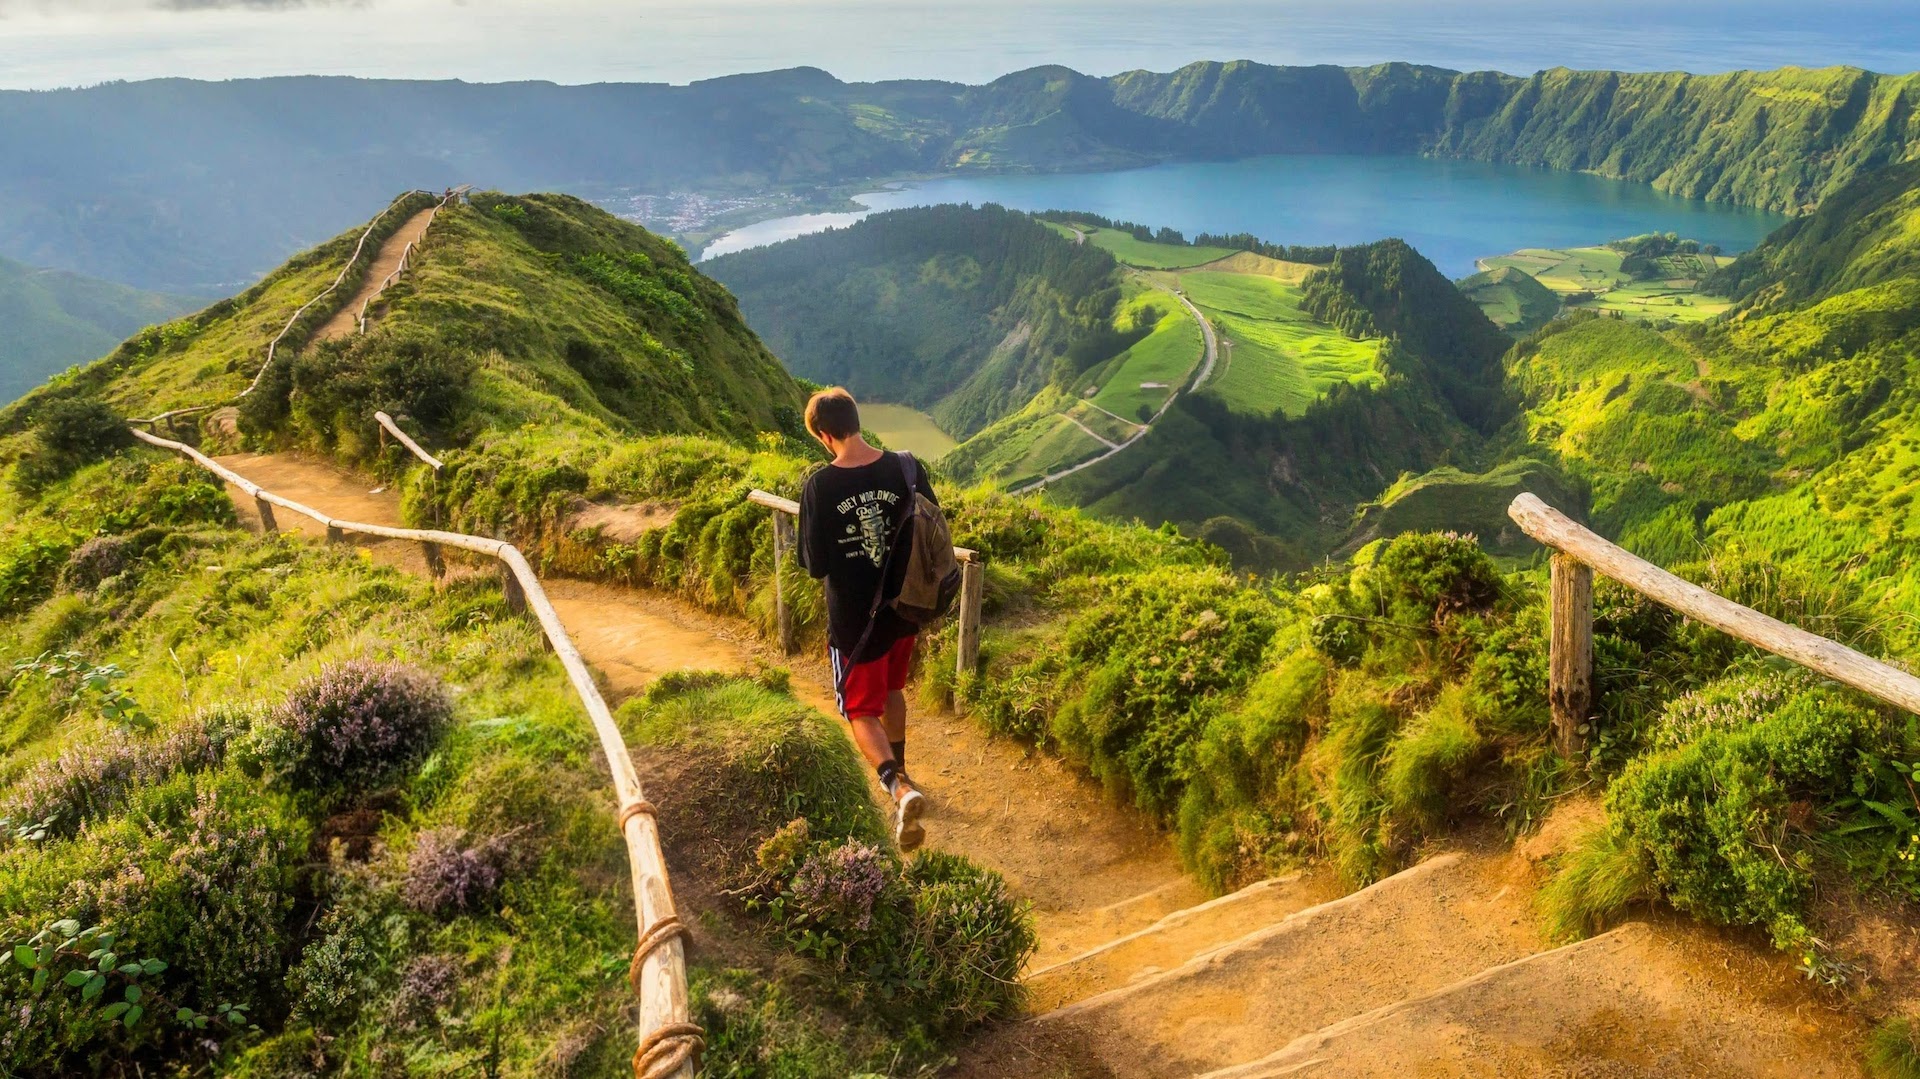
x: 1093, y: 870
x: 344, y: 321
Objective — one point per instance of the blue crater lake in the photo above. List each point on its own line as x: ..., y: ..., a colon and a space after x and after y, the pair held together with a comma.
x: 1454, y: 212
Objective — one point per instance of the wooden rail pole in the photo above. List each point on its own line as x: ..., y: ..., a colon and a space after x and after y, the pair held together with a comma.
x: 1570, y: 661
x: 516, y: 596
x: 436, y: 563
x: 265, y: 509
x: 783, y: 542
x: 973, y: 582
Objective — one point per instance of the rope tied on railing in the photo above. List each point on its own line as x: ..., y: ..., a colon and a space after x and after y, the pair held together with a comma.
x: 666, y: 1050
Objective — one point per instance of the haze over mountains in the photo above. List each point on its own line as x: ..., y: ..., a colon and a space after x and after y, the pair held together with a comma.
x: 195, y: 186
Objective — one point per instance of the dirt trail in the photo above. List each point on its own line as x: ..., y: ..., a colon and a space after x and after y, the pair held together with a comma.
x: 345, y: 321
x: 1093, y: 871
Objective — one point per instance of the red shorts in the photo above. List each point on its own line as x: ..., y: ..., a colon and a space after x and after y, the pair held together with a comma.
x: 864, y: 692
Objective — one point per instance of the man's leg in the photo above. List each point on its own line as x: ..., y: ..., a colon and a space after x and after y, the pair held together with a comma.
x: 895, y: 722
x: 868, y: 702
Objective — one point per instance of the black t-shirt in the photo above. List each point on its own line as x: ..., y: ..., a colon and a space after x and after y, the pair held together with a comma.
x: 847, y: 517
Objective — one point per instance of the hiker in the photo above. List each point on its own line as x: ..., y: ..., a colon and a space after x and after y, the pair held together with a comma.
x: 857, y: 531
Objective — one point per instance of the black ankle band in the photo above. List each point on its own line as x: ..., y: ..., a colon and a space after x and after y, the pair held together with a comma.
x: 888, y: 772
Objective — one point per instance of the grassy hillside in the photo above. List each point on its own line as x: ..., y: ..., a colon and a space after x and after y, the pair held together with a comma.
x: 1277, y: 357
x: 56, y: 319
x: 118, y: 184
x: 528, y: 310
x: 1512, y: 298
x: 1667, y: 288
x: 964, y: 313
x: 1862, y: 237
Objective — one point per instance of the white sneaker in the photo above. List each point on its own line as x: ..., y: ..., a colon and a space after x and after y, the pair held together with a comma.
x: 908, y: 806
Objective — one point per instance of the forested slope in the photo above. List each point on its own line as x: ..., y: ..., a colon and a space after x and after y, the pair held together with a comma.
x: 960, y: 311
x: 55, y: 319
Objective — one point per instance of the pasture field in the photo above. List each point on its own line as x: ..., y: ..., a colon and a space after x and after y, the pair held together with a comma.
x: 1279, y: 358
x: 1112, y: 428
x: 1167, y: 356
x: 1673, y: 295
x: 903, y: 427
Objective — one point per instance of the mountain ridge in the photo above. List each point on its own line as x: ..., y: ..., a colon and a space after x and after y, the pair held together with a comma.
x: 194, y: 184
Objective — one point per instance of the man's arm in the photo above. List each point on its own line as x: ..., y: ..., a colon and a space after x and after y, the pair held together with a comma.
x: 813, y: 547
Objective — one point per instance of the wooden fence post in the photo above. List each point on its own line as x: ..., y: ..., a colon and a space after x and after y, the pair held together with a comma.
x: 335, y: 535
x: 972, y: 587
x: 436, y: 564
x: 1570, y: 679
x: 783, y: 617
x: 265, y: 509
x: 516, y: 596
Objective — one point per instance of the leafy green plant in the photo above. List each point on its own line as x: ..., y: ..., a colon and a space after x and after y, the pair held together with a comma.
x: 120, y: 987
x: 114, y: 704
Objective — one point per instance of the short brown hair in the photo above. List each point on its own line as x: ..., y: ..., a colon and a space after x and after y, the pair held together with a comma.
x: 832, y: 412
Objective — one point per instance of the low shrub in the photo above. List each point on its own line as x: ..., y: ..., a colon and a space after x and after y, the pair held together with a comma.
x: 357, y: 723
x: 1600, y: 876
x: 939, y: 941
x: 1714, y: 817
x: 449, y: 871
x: 69, y: 433
x: 1893, y: 1050
x: 92, y: 781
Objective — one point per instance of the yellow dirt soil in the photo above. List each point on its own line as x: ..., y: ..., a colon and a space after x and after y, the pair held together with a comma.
x: 386, y: 260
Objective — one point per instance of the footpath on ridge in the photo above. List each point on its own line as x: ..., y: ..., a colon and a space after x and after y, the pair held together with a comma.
x: 345, y: 322
x: 1438, y: 972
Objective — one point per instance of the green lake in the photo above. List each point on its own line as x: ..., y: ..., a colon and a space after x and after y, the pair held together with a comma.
x: 904, y: 428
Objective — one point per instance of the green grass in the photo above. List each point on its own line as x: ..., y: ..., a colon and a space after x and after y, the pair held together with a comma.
x: 1166, y: 356
x: 1514, y: 301
x: 1280, y: 358
x: 1673, y: 296
x: 1152, y: 256
x: 903, y: 427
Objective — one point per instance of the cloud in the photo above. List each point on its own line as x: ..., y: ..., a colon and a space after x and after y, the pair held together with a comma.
x: 249, y: 5
x: 122, y: 7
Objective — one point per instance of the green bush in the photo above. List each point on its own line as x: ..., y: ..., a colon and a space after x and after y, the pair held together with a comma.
x: 936, y: 944
x: 68, y: 434
x: 1603, y: 873
x: 1713, y: 816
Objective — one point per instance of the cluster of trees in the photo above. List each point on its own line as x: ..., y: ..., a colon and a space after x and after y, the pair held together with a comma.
x: 1317, y: 255
x: 1144, y: 233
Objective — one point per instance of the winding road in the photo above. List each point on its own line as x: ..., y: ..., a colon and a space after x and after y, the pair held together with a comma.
x: 1206, y: 371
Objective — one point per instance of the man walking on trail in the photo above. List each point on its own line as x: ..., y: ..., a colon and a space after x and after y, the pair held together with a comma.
x: 855, y: 533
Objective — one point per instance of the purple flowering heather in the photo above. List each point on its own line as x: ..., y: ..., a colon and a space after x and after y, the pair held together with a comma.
x: 844, y: 883
x: 357, y: 720
x: 446, y: 872
x: 94, y: 780
x: 427, y: 984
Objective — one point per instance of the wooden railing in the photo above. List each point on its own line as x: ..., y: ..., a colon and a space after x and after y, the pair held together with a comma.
x: 406, y: 262
x: 972, y: 582
x: 388, y: 427
x: 1578, y: 552
x: 669, y: 1042
x: 273, y: 345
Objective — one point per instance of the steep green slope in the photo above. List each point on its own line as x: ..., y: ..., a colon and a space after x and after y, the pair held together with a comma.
x: 1863, y: 235
x: 962, y: 312
x: 118, y: 184
x: 534, y: 309
x: 1297, y: 480
x: 1512, y: 298
x: 55, y: 319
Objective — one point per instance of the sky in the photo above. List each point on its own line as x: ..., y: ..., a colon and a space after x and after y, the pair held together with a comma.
x: 54, y: 43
